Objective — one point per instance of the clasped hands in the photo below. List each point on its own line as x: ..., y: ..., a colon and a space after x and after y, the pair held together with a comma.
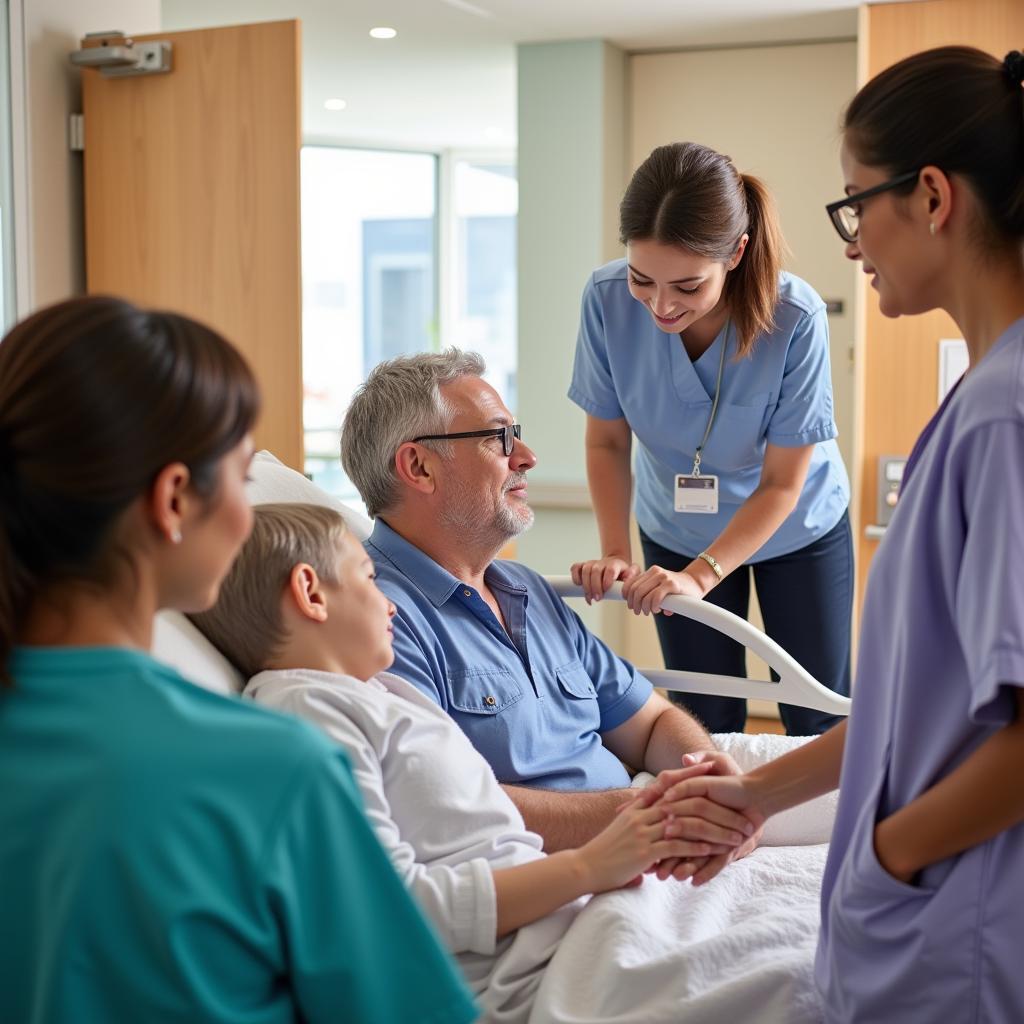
x: 710, y: 804
x: 642, y: 591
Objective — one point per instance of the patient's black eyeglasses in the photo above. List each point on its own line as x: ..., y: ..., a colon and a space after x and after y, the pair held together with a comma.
x: 509, y: 435
x: 845, y: 212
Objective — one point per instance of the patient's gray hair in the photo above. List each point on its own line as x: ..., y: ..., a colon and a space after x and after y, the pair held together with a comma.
x: 401, y: 399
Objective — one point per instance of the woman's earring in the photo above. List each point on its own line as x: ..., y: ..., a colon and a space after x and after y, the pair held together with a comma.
x: 931, y: 227
x: 176, y: 537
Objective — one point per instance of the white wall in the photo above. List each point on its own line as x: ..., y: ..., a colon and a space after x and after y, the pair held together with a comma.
x: 47, y: 175
x: 571, y: 161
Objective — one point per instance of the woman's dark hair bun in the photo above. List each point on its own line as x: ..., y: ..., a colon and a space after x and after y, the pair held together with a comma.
x: 1013, y: 64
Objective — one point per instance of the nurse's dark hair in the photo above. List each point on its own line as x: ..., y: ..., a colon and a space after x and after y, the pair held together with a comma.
x: 97, y: 396
x: 690, y: 196
x: 959, y: 109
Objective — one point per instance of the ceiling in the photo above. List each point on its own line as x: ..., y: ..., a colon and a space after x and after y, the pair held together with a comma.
x: 449, y: 78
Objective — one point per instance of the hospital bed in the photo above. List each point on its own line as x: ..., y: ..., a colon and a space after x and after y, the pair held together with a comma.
x: 740, y: 948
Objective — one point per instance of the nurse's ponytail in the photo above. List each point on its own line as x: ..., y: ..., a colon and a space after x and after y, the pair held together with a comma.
x: 752, y: 289
x: 690, y: 196
x: 97, y: 396
x: 958, y: 109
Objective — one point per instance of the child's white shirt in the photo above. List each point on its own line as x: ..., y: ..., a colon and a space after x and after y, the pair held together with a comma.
x: 439, y: 812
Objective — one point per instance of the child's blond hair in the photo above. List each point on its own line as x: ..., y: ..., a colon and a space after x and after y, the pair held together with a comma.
x: 245, y: 624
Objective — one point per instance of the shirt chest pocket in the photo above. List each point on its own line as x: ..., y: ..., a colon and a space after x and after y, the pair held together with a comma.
x: 482, y: 693
x: 737, y: 438
x: 575, y: 682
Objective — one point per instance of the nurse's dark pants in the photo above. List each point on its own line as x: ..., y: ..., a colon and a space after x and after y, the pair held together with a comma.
x: 806, y: 600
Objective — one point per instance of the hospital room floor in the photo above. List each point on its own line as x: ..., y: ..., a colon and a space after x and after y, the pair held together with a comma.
x: 772, y: 725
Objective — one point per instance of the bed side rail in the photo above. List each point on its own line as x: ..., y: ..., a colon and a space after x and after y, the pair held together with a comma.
x: 796, y: 685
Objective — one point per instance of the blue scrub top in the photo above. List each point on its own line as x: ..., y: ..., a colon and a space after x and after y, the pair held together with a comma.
x: 941, y: 663
x: 168, y: 854
x: 626, y: 367
x: 534, y: 700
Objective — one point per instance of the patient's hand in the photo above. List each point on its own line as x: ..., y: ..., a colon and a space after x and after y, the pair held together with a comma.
x: 714, y: 762
x: 723, y: 764
x: 634, y: 840
x: 682, y: 789
x: 698, y: 819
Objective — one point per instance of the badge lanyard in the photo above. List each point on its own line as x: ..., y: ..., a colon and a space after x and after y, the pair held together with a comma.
x: 695, y: 493
x: 714, y: 405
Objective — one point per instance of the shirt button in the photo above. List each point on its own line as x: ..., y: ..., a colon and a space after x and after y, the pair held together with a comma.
x: 490, y: 701
x: 468, y: 593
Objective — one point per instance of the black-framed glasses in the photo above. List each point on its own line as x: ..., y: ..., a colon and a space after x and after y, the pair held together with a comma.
x: 509, y: 435
x: 845, y: 212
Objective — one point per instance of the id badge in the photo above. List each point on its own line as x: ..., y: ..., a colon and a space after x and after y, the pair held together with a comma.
x: 696, y: 493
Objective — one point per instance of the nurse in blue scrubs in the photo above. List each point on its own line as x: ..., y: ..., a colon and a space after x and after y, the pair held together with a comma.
x: 166, y: 853
x: 698, y: 347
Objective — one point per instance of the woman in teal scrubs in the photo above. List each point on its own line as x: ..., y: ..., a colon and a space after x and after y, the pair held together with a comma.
x: 167, y: 854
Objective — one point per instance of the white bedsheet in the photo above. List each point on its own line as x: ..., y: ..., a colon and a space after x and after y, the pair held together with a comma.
x: 740, y: 948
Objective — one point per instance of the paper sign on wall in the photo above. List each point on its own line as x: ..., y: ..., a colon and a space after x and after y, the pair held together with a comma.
x: 953, y: 362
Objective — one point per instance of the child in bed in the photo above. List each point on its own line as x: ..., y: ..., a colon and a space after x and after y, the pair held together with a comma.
x: 301, y: 615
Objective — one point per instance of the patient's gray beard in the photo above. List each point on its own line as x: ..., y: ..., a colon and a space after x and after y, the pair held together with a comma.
x: 483, y: 527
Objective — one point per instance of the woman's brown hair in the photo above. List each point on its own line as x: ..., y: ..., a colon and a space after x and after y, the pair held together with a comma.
x: 690, y: 196
x: 96, y: 397
x: 958, y: 109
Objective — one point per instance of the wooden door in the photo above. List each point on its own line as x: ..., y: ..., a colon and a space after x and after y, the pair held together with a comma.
x: 899, y: 363
x: 192, y: 199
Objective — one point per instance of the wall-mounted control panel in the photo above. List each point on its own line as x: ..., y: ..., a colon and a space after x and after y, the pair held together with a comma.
x: 890, y: 476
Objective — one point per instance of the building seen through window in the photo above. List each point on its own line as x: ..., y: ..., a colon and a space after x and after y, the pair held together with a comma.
x: 376, y: 263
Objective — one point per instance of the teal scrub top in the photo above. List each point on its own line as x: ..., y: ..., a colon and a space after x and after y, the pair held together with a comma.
x: 168, y: 854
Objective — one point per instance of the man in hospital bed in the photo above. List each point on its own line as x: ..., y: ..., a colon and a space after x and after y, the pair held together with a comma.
x: 441, y: 466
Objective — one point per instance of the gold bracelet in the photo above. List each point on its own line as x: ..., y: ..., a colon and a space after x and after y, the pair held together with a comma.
x: 714, y: 565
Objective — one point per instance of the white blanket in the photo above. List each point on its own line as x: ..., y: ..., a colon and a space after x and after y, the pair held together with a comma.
x: 740, y: 948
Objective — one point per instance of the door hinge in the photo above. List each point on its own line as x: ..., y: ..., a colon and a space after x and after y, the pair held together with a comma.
x: 118, y: 56
x: 76, y: 132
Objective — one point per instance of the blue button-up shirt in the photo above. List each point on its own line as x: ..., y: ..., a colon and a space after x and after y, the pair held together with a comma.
x: 534, y: 700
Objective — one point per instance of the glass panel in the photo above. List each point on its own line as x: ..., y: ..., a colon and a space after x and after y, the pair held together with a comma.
x: 369, y: 282
x: 486, y: 203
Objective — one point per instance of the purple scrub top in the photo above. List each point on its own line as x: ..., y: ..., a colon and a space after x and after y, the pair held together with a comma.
x: 941, y: 657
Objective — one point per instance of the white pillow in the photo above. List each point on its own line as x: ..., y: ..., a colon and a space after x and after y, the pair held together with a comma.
x: 273, y: 481
x: 177, y: 642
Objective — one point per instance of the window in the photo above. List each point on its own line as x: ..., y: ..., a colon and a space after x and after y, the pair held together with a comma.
x: 369, y: 230
x: 385, y: 274
x: 485, y: 200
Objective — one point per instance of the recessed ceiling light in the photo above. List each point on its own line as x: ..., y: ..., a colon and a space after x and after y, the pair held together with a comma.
x: 335, y: 104
x: 383, y: 32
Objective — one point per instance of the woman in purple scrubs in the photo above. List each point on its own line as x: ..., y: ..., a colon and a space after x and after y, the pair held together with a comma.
x: 923, y: 896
